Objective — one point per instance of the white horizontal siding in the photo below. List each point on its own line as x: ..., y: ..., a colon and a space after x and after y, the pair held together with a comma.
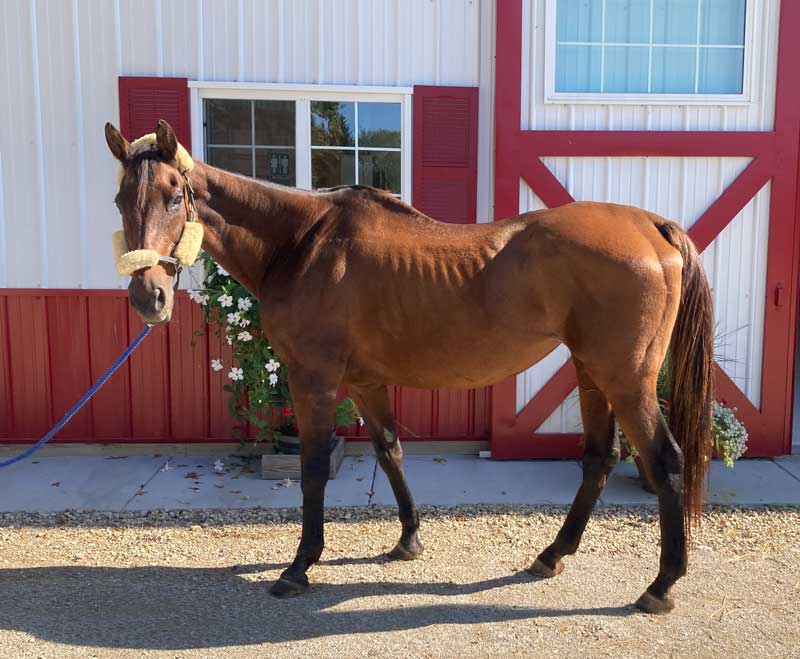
x: 680, y: 189
x: 756, y: 115
x: 60, y: 60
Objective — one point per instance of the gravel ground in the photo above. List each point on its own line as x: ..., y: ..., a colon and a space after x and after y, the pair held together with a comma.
x: 178, y: 584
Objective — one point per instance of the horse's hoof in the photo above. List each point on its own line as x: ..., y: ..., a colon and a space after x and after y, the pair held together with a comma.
x: 407, y: 552
x: 284, y: 588
x: 652, y: 604
x: 539, y: 569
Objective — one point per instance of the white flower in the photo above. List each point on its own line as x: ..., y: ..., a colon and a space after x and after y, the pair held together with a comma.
x: 229, y: 339
x: 236, y: 374
x: 244, y: 322
x: 222, y: 270
x: 361, y: 421
x: 219, y: 466
x: 272, y: 365
x: 216, y: 364
x: 245, y: 303
x: 245, y: 336
x: 273, y: 379
x: 225, y: 300
x: 198, y: 296
x: 234, y: 318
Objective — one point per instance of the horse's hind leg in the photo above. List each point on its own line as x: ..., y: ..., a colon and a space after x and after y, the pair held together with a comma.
x: 373, y: 403
x: 643, y: 423
x: 600, y: 456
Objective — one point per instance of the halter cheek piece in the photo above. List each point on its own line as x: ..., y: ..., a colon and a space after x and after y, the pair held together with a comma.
x: 188, y: 247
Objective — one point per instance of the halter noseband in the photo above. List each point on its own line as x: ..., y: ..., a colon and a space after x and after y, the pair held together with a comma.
x: 188, y: 247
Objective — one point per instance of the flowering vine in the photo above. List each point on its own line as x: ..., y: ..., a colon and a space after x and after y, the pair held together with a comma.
x: 257, y: 380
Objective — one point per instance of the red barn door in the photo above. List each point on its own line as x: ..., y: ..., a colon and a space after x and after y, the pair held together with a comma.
x: 774, y: 157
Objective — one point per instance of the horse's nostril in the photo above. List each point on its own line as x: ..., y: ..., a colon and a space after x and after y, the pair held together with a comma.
x: 160, y: 298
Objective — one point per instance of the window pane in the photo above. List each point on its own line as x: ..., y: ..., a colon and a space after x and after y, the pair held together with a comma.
x: 274, y: 123
x: 720, y: 71
x: 578, y: 20
x: 625, y: 69
x: 673, y: 70
x: 578, y: 68
x: 332, y: 124
x: 675, y: 21
x: 380, y: 169
x: 379, y: 124
x: 276, y: 165
x: 330, y: 167
x: 237, y: 160
x: 722, y: 22
x: 228, y: 122
x: 628, y: 21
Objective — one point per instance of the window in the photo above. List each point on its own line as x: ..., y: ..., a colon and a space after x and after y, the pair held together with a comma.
x: 315, y: 137
x: 649, y: 47
x: 355, y: 142
x: 254, y: 138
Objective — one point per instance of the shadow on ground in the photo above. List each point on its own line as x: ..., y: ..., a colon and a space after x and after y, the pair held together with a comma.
x: 171, y: 608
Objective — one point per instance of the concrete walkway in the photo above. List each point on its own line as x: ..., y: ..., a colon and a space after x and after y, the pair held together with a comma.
x: 144, y: 482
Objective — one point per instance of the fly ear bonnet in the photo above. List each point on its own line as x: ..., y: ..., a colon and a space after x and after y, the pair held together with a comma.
x: 188, y: 247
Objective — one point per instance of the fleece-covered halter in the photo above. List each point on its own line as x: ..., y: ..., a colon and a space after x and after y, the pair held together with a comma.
x: 188, y: 247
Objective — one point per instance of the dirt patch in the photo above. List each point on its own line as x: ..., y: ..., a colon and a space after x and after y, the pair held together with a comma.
x: 175, y: 584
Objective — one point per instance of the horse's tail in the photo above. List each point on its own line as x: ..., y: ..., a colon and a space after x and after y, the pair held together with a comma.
x: 691, y: 372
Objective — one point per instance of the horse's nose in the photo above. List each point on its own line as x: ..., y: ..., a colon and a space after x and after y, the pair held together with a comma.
x: 160, y: 298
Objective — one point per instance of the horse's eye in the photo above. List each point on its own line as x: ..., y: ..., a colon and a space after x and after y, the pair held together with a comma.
x: 175, y: 201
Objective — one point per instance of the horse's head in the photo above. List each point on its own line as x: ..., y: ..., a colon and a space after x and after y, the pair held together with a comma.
x: 155, y: 201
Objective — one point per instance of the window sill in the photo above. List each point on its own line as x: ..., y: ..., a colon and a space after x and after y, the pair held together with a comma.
x: 714, y: 100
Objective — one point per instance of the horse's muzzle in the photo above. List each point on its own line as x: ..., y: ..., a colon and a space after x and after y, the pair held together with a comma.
x: 151, y: 295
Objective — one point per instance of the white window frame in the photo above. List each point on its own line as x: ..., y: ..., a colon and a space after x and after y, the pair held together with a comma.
x: 551, y: 96
x: 200, y: 90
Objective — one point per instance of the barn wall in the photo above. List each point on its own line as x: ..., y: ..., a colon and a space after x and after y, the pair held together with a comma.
x: 677, y: 188
x: 59, y: 65
x: 58, y: 84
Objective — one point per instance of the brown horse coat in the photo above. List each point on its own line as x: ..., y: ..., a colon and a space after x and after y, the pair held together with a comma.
x: 357, y: 287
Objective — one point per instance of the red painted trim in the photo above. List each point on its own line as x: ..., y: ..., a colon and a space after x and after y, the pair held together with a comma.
x: 544, y: 183
x: 619, y: 143
x: 540, y: 447
x: 776, y: 153
x: 735, y: 197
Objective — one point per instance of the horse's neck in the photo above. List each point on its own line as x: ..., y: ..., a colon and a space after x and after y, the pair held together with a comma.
x: 246, y: 222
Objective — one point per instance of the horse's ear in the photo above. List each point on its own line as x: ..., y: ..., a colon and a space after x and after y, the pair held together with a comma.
x: 118, y: 144
x: 166, y: 140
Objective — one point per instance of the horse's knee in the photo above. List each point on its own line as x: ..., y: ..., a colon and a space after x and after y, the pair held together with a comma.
x: 599, y: 463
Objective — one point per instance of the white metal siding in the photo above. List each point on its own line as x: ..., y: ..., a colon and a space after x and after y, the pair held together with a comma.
x: 58, y: 86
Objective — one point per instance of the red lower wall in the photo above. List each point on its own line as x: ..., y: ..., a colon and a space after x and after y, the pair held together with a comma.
x: 55, y: 343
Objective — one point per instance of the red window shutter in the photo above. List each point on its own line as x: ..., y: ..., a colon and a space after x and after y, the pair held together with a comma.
x: 446, y: 152
x: 145, y: 100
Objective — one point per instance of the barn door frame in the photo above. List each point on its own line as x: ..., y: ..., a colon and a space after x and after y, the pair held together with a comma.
x: 774, y: 156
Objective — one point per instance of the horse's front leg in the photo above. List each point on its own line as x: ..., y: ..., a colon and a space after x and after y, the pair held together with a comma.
x: 314, y: 399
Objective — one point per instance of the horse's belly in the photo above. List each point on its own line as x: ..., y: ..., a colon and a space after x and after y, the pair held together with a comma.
x: 475, y: 364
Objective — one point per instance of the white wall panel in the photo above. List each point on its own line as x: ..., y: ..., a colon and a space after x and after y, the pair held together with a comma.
x: 59, y: 63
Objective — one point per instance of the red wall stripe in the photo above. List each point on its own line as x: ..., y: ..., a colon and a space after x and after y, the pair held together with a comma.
x: 108, y: 337
x: 29, y: 361
x: 55, y: 343
x: 68, y: 332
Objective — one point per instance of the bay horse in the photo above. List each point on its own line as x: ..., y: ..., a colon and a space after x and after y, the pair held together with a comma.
x: 358, y: 288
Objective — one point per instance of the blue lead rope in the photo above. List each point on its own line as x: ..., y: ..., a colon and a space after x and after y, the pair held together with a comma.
x: 77, y: 406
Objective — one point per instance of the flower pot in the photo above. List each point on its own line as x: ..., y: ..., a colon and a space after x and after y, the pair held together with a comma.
x: 280, y: 466
x: 288, y: 444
